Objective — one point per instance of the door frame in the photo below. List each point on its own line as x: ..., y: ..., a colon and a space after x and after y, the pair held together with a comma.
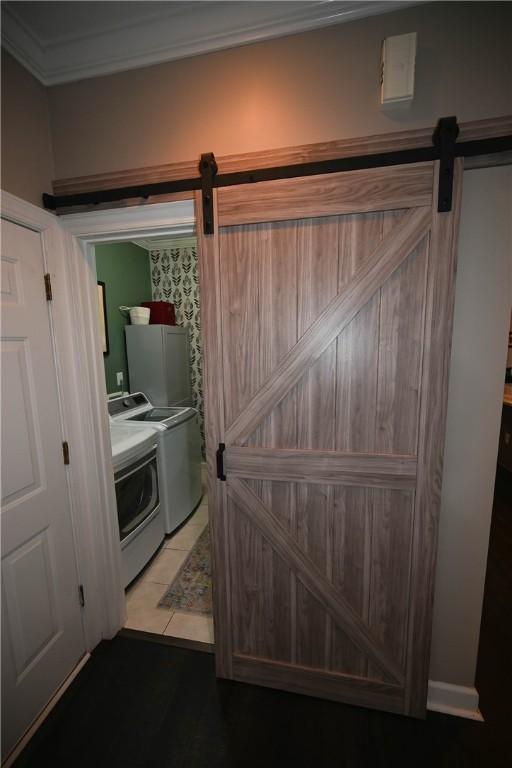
x: 68, y: 247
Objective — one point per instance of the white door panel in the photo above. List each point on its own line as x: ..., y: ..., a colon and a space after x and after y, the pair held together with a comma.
x: 41, y: 624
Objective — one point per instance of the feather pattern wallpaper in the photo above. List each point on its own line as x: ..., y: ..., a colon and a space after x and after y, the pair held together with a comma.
x: 175, y: 278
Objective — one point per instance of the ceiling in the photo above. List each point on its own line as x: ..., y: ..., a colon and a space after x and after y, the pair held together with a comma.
x: 64, y: 41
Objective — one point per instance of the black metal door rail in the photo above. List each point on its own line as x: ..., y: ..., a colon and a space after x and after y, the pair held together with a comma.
x: 444, y: 148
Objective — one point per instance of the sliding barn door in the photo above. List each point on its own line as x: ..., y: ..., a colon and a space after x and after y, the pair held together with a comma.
x: 327, y: 313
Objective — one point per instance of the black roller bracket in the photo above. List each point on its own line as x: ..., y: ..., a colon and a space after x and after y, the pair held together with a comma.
x: 444, y: 139
x: 208, y: 170
x: 220, y: 461
x: 49, y: 202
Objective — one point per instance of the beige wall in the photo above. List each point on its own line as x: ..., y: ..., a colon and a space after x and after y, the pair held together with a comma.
x: 27, y: 158
x: 310, y: 87
x: 483, y: 301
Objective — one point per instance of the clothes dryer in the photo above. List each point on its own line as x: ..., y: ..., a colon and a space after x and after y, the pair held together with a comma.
x: 135, y: 462
x: 179, y: 452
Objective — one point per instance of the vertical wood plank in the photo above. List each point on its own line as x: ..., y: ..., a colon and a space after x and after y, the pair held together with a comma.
x: 357, y: 363
x: 357, y: 346
x: 316, y: 393
x: 282, y: 497
x: 239, y: 299
x: 249, y: 609
x: 278, y: 322
x: 440, y: 297
x: 390, y: 568
x: 280, y: 308
x: 351, y: 571
x: 212, y: 337
x: 399, y: 355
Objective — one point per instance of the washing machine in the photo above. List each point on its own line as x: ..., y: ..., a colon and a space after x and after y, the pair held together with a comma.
x: 179, y: 451
x: 135, y: 463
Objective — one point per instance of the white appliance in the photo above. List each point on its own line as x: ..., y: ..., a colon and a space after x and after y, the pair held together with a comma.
x: 179, y: 451
x: 134, y: 457
x: 159, y: 363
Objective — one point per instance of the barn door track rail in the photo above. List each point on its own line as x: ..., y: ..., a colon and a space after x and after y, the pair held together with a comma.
x: 444, y: 148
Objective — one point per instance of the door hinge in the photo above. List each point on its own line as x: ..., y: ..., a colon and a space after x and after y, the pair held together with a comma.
x: 208, y: 170
x: 220, y: 461
x: 65, y: 451
x: 81, y: 597
x: 48, y: 286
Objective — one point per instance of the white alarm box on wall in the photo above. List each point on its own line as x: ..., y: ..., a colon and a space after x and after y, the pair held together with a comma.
x: 398, y: 66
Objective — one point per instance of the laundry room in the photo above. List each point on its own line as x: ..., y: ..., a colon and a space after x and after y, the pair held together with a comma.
x: 150, y: 328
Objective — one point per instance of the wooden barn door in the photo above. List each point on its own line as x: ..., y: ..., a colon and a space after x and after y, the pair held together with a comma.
x: 327, y: 312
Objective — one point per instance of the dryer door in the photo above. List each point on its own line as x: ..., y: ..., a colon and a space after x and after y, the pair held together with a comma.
x: 137, y: 495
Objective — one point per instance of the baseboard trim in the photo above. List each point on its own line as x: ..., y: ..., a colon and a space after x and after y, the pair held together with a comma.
x: 22, y: 743
x: 456, y: 700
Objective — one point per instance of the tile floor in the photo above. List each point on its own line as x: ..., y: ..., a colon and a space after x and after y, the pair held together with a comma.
x: 143, y: 596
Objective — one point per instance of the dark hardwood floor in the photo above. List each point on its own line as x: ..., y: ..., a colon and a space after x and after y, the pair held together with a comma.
x: 141, y: 704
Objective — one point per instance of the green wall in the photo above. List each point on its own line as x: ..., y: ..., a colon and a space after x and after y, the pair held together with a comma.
x: 124, y: 268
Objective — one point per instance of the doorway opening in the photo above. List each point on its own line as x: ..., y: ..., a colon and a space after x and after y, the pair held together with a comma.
x: 153, y: 385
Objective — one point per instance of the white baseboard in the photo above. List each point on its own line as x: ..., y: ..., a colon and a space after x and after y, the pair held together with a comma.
x: 22, y: 743
x: 457, y: 700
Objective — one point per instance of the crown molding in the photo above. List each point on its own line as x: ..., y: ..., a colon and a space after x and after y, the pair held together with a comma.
x: 185, y: 236
x: 22, y: 44
x: 170, y: 33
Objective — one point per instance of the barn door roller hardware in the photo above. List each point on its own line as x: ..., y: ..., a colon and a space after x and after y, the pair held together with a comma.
x: 208, y: 170
x: 220, y: 461
x: 444, y: 138
x: 444, y: 148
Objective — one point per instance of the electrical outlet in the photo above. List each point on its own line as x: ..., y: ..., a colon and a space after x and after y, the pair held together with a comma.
x: 119, y: 378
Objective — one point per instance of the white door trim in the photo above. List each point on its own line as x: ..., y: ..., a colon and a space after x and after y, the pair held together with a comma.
x: 107, y: 613
x: 68, y: 245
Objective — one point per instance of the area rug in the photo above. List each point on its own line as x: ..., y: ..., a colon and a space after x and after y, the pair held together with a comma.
x: 191, y: 590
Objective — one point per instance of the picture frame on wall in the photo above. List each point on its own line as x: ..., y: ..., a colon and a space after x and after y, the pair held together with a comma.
x: 102, y: 315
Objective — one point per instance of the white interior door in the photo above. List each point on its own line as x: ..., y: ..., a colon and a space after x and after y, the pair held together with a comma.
x: 42, y: 638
